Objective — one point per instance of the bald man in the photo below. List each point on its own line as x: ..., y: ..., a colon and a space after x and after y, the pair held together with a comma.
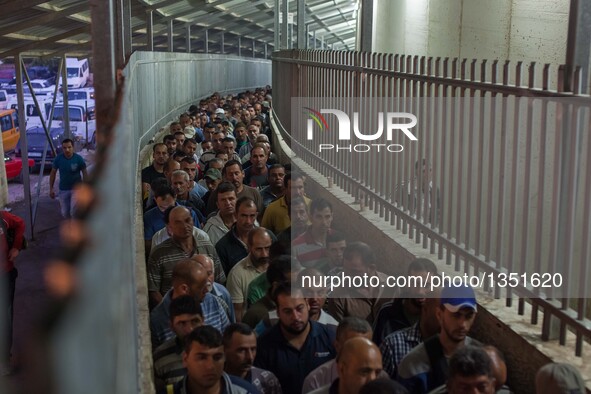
x: 499, y: 369
x: 359, y: 362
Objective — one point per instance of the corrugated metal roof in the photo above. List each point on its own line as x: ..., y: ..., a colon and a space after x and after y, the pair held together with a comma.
x: 48, y: 28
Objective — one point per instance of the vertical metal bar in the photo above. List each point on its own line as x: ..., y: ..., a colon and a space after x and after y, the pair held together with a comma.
x: 367, y: 19
x: 149, y: 30
x: 301, y: 24
x: 126, y: 33
x: 188, y: 38
x: 103, y: 49
x: 471, y: 130
x: 239, y: 46
x: 253, y: 48
x: 578, y: 43
x: 276, y: 26
x: 22, y: 124
x: 491, y: 159
x: 314, y: 39
x: 284, y: 24
x: 222, y: 44
x: 169, y: 33
x: 480, y: 160
x: 66, y: 113
x: 206, y: 40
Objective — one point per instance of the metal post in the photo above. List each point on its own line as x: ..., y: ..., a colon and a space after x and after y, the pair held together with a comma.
x: 322, y: 42
x: 223, y: 44
x: 150, y: 30
x: 103, y: 59
x: 578, y: 43
x: 291, y: 40
x: 23, y: 145
x: 284, y: 37
x: 253, y: 47
x: 276, y: 25
x: 66, y: 114
x: 265, y: 50
x: 170, y: 31
x: 239, y: 46
x: 206, y: 41
x: 367, y: 25
x: 126, y: 25
x: 301, y: 23
x: 307, y: 42
x: 314, y: 39
x: 188, y: 38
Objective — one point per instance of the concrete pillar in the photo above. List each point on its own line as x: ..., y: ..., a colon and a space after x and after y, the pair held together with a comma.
x: 284, y: 25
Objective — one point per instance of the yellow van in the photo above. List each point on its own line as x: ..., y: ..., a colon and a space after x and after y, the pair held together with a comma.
x: 9, y: 126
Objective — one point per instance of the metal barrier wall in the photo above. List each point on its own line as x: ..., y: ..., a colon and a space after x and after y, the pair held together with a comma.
x: 509, y: 166
x: 101, y: 344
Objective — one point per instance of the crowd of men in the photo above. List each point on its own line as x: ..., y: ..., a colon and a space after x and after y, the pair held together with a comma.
x: 230, y: 233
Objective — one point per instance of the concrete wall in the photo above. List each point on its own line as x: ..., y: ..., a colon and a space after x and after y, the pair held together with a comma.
x: 528, y: 30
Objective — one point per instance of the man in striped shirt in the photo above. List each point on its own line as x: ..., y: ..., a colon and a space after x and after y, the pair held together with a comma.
x: 310, y: 247
x: 185, y: 316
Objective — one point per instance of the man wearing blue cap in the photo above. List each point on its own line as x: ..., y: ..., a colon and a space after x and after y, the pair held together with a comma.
x: 426, y: 366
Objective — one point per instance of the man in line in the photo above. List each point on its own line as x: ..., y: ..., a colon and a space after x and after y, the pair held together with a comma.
x: 72, y: 170
x: 275, y: 188
x: 259, y: 242
x: 310, y: 247
x: 233, y: 173
x: 240, y: 348
x: 276, y: 217
x: 219, y: 224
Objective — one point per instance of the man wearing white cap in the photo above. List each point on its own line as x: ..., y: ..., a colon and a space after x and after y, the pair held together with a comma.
x: 426, y: 366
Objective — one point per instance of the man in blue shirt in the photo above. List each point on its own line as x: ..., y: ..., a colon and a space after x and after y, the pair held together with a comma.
x: 72, y: 169
x: 295, y: 346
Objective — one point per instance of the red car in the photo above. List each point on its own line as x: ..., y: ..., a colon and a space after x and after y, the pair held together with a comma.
x: 14, y: 166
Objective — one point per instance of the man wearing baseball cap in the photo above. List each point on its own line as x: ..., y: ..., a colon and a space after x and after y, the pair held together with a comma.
x: 426, y: 366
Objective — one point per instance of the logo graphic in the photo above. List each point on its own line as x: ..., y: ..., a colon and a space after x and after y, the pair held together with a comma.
x: 393, y: 121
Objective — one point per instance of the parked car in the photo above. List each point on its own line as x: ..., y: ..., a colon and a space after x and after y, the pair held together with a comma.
x: 85, y: 94
x: 14, y: 167
x: 3, y: 99
x: 78, y: 72
x: 37, y: 143
x: 81, y: 118
x: 9, y: 127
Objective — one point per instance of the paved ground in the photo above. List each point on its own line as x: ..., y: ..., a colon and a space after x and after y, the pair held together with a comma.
x: 31, y: 295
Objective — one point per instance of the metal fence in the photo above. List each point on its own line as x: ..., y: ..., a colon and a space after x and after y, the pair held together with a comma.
x: 101, y: 342
x: 497, y: 182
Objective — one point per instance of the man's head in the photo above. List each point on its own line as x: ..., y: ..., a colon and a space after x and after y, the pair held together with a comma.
x: 213, y: 177
x: 246, y: 215
x: 320, y: 215
x: 240, y: 347
x: 351, y: 327
x: 185, y: 120
x: 190, y: 147
x: 170, y: 143
x: 218, y: 137
x: 283, y: 268
x: 204, y: 358
x: 253, y: 132
x: 208, y: 131
x: 259, y: 243
x: 423, y: 268
x: 165, y: 197
x: 359, y: 259
x: 226, y: 198
x: 228, y: 146
x: 470, y: 371
x: 180, y: 223
x: 275, y: 176
x: 498, y: 364
x: 233, y: 173
x: 258, y: 157
x: 209, y: 267
x: 456, y: 312
x: 292, y: 309
x: 180, y: 182
x: 185, y: 315
x: 189, y: 278
x: 335, y: 247
x: 171, y: 166
x: 359, y: 362
x: 206, y: 145
x: 179, y: 136
x: 313, y: 288
x: 559, y: 378
x: 175, y: 127
x: 189, y: 165
x: 240, y: 132
x: 294, y: 186
x: 298, y: 214
x: 159, y: 153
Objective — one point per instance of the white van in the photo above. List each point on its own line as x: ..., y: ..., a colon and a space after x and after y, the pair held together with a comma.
x: 3, y: 99
x: 82, y: 119
x: 78, y: 72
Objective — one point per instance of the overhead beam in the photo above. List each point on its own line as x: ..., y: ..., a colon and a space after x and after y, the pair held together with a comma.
x: 48, y: 17
x: 43, y: 43
x: 15, y: 6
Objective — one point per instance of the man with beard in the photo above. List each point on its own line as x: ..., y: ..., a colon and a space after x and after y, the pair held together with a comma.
x: 426, y: 366
x: 404, y: 310
x: 156, y: 169
x: 295, y: 346
x: 203, y: 357
x: 170, y: 143
x: 240, y: 348
x: 259, y: 242
x: 276, y: 217
x: 275, y: 188
x: 232, y: 172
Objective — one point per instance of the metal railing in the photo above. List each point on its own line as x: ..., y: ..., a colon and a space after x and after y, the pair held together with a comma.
x: 497, y: 182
